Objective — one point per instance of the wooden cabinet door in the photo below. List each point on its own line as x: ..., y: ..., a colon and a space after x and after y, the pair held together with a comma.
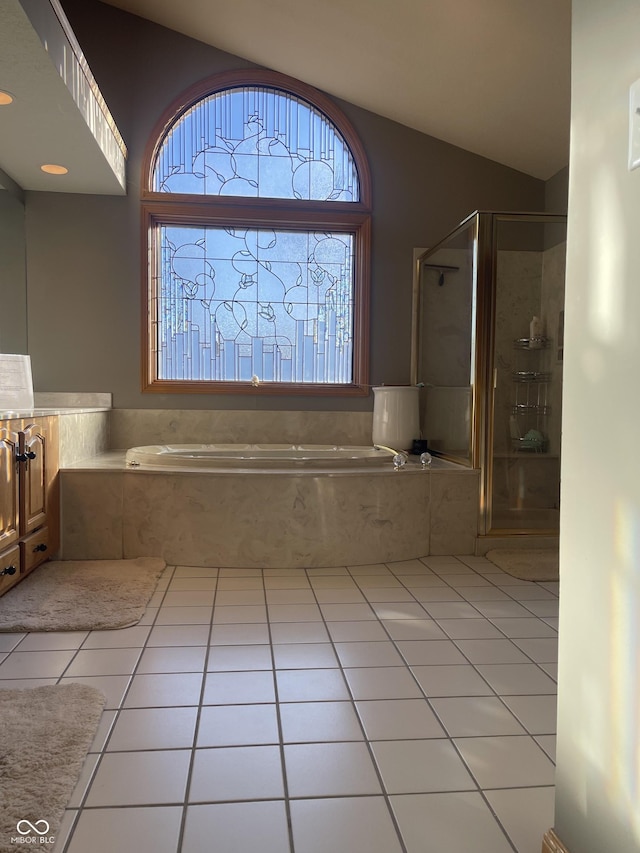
x: 9, y: 514
x: 33, y: 483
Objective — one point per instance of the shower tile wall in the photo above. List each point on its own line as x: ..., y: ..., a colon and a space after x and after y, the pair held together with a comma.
x: 445, y: 359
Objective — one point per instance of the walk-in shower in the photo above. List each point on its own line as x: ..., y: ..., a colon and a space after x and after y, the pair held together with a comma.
x: 487, y: 348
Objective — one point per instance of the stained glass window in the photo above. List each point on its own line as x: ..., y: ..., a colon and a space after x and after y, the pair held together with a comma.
x: 237, y: 303
x: 256, y: 142
x: 269, y: 288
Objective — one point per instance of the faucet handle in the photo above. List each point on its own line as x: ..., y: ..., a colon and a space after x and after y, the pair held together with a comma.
x: 399, y: 461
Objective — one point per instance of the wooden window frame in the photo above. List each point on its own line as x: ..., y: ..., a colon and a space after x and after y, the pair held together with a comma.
x: 302, y: 215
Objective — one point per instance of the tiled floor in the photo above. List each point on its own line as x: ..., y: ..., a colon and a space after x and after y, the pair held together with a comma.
x: 372, y: 709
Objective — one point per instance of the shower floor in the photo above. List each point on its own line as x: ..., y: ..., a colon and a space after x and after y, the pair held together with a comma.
x: 530, y: 520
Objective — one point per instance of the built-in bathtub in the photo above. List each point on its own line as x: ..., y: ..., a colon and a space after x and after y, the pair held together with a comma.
x: 257, y: 456
x: 265, y: 506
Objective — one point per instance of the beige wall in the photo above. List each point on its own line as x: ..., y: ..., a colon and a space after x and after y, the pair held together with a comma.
x: 598, y: 775
x: 84, y: 251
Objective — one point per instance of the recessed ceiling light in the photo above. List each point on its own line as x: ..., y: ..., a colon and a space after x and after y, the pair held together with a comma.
x: 53, y: 169
x: 5, y: 98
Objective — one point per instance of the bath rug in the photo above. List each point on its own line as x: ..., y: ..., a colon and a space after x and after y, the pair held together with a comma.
x: 81, y: 595
x: 535, y: 564
x: 45, y: 735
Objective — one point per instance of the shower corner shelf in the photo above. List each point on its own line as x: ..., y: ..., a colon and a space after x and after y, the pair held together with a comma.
x: 530, y: 408
x: 537, y: 343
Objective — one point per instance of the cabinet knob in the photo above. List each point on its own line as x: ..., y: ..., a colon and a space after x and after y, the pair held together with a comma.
x: 41, y: 547
x: 23, y: 457
x: 9, y: 570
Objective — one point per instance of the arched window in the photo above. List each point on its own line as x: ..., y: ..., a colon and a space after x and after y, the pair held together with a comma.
x: 256, y: 204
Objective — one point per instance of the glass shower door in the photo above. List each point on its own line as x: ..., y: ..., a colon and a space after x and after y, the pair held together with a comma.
x: 525, y: 415
x: 445, y: 349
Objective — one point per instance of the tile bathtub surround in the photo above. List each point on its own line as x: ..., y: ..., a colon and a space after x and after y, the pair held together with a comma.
x: 135, y: 427
x: 302, y: 711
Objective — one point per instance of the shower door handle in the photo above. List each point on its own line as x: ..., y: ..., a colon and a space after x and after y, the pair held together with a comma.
x: 495, y: 377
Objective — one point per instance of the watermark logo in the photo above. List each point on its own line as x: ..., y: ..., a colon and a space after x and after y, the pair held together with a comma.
x: 33, y: 833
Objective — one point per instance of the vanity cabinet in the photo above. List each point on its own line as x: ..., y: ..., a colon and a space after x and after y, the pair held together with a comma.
x: 29, y: 503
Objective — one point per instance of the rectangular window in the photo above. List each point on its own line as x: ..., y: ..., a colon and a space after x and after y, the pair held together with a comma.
x: 236, y: 304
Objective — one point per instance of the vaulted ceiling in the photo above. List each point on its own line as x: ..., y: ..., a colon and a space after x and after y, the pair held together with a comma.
x: 492, y: 77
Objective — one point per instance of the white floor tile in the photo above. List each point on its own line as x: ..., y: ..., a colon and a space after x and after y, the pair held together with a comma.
x: 521, y: 628
x: 237, y: 725
x: 236, y: 828
x: 237, y: 658
x: 232, y: 614
x: 398, y: 719
x: 525, y: 813
x: 540, y: 650
x: 536, y: 713
x: 451, y: 609
x: 548, y: 743
x: 353, y: 632
x: 49, y: 640
x: 491, y: 651
x: 353, y: 824
x: 290, y: 596
x: 46, y: 664
x: 468, y: 716
x: 428, y: 652
x: 140, y: 778
x: 470, y: 629
x: 181, y: 584
x: 8, y: 642
x: 459, y: 680
x: 164, y: 690
x: 456, y: 822
x: 294, y: 613
x: 184, y: 616
x: 155, y: 830
x: 311, y: 685
x: 240, y: 598
x: 113, y: 686
x: 330, y: 769
x: 236, y: 635
x: 239, y: 688
x: 339, y: 596
x: 304, y: 656
x: 181, y: 659
x: 506, y: 762
x: 394, y: 594
x: 104, y: 662
x: 376, y: 653
x: 153, y: 728
x: 124, y: 638
x: 313, y: 722
x: 421, y: 766
x: 179, y: 635
x: 193, y: 686
x: 389, y: 682
x: 236, y: 773
x: 415, y: 629
x: 516, y: 679
x: 398, y: 610
x: 346, y: 612
x: 298, y: 632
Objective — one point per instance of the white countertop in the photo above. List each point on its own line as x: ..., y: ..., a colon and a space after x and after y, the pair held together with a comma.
x: 8, y: 414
